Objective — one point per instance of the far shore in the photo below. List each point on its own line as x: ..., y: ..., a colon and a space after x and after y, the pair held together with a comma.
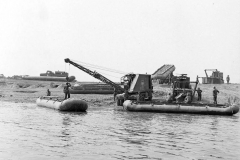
x: 27, y: 91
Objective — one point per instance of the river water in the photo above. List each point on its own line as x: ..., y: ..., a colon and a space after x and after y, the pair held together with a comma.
x: 30, y: 132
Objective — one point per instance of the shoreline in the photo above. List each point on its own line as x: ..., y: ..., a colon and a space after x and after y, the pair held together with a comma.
x: 27, y: 91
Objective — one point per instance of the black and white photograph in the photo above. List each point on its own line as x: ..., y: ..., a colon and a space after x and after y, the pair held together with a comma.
x: 119, y: 79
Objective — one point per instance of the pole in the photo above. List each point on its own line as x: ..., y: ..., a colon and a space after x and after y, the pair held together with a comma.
x: 195, y: 88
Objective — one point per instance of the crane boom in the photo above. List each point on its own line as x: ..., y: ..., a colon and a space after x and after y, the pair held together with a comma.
x: 96, y: 75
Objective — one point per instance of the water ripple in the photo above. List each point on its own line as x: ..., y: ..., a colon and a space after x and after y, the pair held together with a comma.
x: 31, y: 132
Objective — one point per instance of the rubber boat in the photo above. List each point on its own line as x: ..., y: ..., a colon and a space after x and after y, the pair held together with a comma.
x: 49, y: 78
x: 70, y: 104
x: 181, y: 108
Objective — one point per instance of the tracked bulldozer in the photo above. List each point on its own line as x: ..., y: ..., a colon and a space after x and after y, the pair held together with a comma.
x: 181, y: 86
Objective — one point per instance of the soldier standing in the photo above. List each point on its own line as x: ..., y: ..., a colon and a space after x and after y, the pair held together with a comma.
x: 66, y: 90
x: 215, y: 92
x: 48, y: 92
x: 228, y: 79
x: 199, y: 92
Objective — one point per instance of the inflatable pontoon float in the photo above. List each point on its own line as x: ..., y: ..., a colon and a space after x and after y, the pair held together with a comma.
x: 91, y: 89
x: 181, y: 108
x: 53, y: 102
x: 72, y: 91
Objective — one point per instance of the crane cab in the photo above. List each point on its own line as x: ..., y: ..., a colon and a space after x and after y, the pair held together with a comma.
x: 135, y: 83
x: 137, y: 87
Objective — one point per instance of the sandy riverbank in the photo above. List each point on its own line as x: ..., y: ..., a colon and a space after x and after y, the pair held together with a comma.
x: 27, y: 91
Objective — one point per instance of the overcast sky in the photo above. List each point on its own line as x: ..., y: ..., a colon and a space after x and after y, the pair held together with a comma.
x: 128, y: 35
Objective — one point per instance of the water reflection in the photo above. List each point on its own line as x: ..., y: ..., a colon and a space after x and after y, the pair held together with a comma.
x: 111, y: 134
x: 68, y: 124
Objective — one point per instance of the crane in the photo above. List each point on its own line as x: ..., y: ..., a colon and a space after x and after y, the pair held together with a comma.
x: 96, y: 75
x: 136, y: 86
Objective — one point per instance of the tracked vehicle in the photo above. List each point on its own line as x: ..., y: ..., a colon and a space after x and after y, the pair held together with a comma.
x: 182, y: 85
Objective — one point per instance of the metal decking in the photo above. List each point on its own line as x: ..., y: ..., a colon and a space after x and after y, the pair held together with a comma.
x: 163, y: 72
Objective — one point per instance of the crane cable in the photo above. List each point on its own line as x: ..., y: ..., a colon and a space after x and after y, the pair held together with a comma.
x: 108, y: 74
x: 106, y: 69
x: 101, y: 68
x: 103, y: 73
x: 65, y: 67
x: 91, y: 67
x: 69, y: 69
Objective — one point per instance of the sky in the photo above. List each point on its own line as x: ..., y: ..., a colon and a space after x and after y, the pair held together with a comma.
x: 136, y: 36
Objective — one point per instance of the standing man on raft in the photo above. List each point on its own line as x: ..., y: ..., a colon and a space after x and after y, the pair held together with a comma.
x: 66, y: 89
x: 215, y: 92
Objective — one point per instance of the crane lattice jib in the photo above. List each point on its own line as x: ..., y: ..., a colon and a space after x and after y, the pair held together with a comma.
x: 95, y: 75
